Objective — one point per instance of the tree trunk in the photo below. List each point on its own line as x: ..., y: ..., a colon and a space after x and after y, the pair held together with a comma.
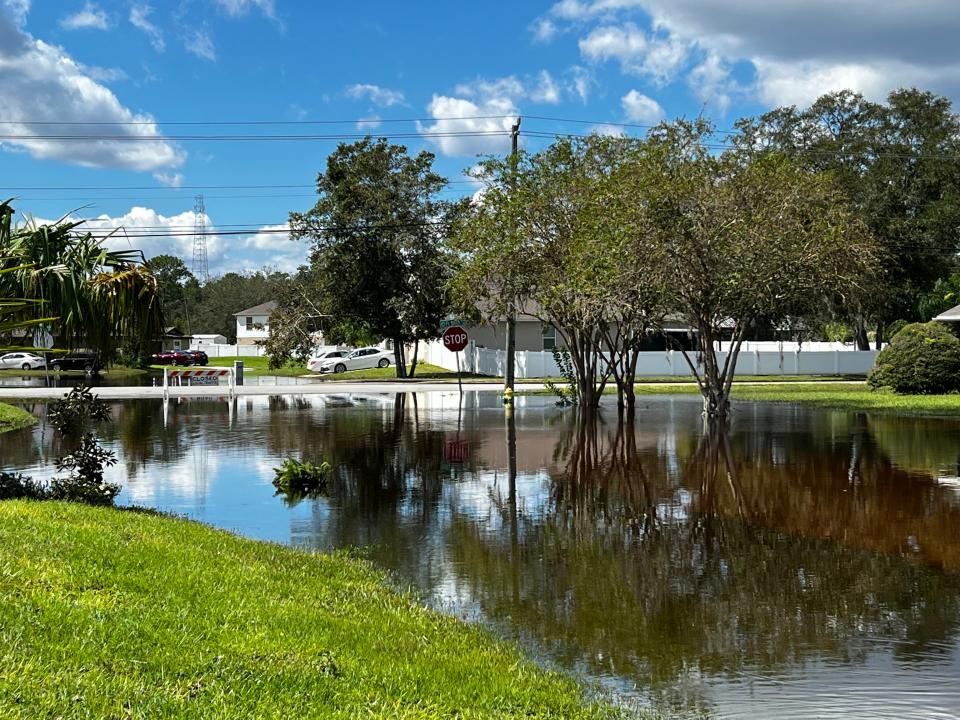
x: 879, y: 336
x: 398, y: 358
x: 413, y: 363
x: 860, y: 335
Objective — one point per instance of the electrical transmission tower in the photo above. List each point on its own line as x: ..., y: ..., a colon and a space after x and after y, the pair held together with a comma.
x: 201, y: 270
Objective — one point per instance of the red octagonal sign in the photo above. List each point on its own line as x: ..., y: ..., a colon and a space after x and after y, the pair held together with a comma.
x: 455, y: 339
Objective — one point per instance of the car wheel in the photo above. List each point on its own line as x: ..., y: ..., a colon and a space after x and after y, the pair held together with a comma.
x: 339, y: 368
x: 88, y: 368
x: 55, y: 367
x: 25, y: 366
x: 384, y: 362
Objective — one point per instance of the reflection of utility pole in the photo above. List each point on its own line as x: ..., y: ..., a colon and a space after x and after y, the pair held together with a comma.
x: 512, y: 316
x: 512, y: 504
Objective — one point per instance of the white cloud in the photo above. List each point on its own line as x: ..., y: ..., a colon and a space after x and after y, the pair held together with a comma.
x: 485, y: 131
x: 795, y: 50
x: 382, y: 97
x: 102, y: 74
x: 41, y: 83
x: 543, y: 30
x: 199, y: 43
x: 369, y: 123
x: 90, y: 17
x: 18, y: 10
x: 272, y: 247
x: 640, y: 108
x: 546, y: 89
x: 580, y: 81
x: 604, y: 129
x: 169, y: 179
x: 239, y: 8
x: 140, y: 19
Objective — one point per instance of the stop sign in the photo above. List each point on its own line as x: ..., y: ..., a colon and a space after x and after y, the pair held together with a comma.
x: 455, y: 339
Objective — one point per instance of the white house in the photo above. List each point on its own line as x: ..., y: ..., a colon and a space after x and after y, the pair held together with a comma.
x: 202, y: 339
x: 253, y: 323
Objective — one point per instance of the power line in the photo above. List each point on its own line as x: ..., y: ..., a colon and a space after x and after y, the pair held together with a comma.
x: 188, y: 138
x: 198, y: 123
x: 85, y: 188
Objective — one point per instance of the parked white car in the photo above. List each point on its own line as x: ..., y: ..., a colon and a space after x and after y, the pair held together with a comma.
x: 314, y: 364
x: 359, y: 359
x: 22, y: 361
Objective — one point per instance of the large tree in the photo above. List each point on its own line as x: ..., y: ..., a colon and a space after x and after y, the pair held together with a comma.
x: 100, y: 298
x: 221, y: 297
x: 746, y: 241
x: 378, y: 230
x: 179, y: 289
x: 896, y: 163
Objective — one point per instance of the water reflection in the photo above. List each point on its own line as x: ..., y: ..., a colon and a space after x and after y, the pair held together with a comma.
x: 804, y: 563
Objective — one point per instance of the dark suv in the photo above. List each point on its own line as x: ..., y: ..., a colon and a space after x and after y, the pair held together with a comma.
x: 199, y: 357
x: 87, y: 362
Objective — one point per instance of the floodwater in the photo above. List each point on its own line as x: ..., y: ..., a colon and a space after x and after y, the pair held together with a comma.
x: 140, y: 380
x: 804, y: 565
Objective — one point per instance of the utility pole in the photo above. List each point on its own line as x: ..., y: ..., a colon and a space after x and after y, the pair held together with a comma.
x: 201, y: 269
x: 509, y: 373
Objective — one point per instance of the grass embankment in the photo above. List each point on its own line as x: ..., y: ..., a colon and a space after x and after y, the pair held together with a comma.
x: 115, y: 371
x: 841, y: 396
x: 13, y: 418
x: 113, y: 614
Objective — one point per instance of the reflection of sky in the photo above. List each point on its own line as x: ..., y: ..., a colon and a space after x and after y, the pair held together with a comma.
x: 222, y: 467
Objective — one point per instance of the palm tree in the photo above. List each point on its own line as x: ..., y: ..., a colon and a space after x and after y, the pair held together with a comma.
x: 93, y: 297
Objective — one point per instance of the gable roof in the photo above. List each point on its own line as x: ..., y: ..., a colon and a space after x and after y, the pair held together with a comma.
x: 261, y: 309
x: 951, y: 315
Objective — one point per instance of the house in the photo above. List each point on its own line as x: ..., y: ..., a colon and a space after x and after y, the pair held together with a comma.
x: 174, y: 339
x: 253, y: 324
x: 202, y: 339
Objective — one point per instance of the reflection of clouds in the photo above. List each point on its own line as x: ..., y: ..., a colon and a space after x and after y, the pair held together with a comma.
x: 185, y: 481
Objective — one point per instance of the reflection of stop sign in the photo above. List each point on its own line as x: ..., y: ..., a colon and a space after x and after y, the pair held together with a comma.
x: 455, y: 339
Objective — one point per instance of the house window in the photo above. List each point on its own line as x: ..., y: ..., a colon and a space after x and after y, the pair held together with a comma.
x: 249, y: 323
x: 549, y: 333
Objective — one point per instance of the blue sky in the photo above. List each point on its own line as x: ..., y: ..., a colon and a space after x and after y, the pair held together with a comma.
x: 214, y: 61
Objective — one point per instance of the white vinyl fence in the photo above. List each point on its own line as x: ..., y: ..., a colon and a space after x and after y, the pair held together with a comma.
x: 531, y: 364
x: 217, y: 350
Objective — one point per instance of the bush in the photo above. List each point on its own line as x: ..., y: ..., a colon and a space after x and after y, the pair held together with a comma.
x: 298, y: 480
x: 70, y: 414
x: 921, y: 359
x: 85, y: 481
x: 14, y: 486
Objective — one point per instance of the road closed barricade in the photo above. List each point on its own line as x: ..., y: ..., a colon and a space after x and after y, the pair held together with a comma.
x: 198, y: 376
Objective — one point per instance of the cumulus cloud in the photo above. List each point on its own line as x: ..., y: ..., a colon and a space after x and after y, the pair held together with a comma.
x: 380, y: 96
x: 369, y: 123
x: 239, y: 8
x: 30, y: 70
x: 140, y: 19
x: 790, y: 51
x: 546, y: 89
x: 268, y: 246
x: 640, y: 108
x: 90, y: 17
x: 199, y: 43
x: 468, y: 128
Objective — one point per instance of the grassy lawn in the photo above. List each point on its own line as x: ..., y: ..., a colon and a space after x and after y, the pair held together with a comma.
x: 115, y: 371
x: 108, y: 613
x: 12, y: 418
x: 840, y: 396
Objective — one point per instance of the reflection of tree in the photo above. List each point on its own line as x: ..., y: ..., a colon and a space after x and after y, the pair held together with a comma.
x: 631, y: 573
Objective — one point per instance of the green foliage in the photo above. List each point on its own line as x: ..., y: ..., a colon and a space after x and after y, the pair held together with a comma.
x: 297, y: 480
x: 837, y: 331
x: 922, y: 359
x: 378, y: 263
x: 179, y: 290
x: 12, y: 418
x: 89, y: 296
x: 565, y: 391
x: 73, y: 412
x: 84, y: 481
x: 944, y: 295
x: 211, y: 311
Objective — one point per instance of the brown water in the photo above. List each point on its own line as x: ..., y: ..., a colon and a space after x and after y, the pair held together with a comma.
x: 806, y: 564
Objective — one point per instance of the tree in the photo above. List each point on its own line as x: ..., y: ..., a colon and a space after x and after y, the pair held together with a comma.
x: 378, y: 231
x: 543, y: 239
x: 221, y: 297
x: 100, y: 298
x: 895, y: 164
x: 179, y: 289
x: 747, y: 240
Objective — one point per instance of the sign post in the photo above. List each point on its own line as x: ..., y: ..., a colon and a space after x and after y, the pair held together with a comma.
x: 455, y: 339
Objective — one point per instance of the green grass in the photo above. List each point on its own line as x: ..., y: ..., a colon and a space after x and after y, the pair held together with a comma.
x: 115, y: 614
x: 115, y: 371
x: 839, y: 396
x: 12, y: 418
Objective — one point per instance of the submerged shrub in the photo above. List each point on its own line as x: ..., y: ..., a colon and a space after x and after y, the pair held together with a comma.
x: 85, y: 482
x: 14, y: 486
x: 298, y: 480
x: 921, y: 359
x: 71, y: 414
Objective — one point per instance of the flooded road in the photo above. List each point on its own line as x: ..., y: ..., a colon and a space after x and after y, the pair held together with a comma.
x: 805, y: 564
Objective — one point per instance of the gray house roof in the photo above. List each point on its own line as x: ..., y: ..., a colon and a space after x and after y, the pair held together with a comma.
x: 951, y: 315
x: 261, y: 309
